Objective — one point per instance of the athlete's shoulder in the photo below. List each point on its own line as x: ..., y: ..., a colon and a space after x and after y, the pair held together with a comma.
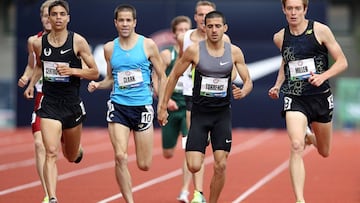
x: 279, y: 34
x: 321, y: 27
x: 279, y: 37
x: 78, y: 37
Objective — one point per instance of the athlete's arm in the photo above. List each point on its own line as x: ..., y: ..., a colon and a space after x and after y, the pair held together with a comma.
x: 82, y: 50
x: 108, y: 81
x: 325, y: 36
x: 274, y: 91
x: 153, y: 54
x: 190, y: 56
x: 180, y: 41
x: 166, y: 58
x: 242, y: 69
x: 37, y: 72
x: 24, y: 79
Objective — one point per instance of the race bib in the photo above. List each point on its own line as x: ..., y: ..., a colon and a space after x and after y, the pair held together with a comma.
x: 214, y: 87
x: 301, y: 69
x: 129, y: 79
x: 51, y: 74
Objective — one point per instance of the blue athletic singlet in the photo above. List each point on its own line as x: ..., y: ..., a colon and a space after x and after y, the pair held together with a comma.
x: 303, y: 54
x: 131, y: 71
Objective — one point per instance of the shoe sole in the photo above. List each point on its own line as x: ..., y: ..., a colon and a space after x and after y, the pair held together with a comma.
x: 78, y: 160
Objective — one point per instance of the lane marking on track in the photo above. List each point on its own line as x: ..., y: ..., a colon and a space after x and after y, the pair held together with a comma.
x: 20, y: 143
x: 28, y: 162
x: 209, y: 159
x: 102, y: 166
x: 267, y: 178
x: 87, y: 170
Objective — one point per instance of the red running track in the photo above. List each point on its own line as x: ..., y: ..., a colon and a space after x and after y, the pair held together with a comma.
x: 256, y: 172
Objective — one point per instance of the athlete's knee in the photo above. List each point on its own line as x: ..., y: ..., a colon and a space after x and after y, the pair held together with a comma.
x: 193, y: 169
x: 194, y: 161
x: 324, y: 152
x: 39, y: 146
x: 121, y: 159
x: 144, y: 165
x: 52, y: 152
x: 168, y: 153
x: 297, y: 146
x: 220, y: 167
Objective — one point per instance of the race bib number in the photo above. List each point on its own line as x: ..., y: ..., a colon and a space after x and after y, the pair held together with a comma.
x: 51, y: 74
x: 302, y: 69
x: 331, y: 101
x: 129, y: 79
x: 214, y: 87
x: 146, y: 117
x: 287, y: 103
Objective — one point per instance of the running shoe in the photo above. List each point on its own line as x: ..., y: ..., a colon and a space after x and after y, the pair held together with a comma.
x: 198, y: 198
x: 53, y: 200
x: 183, y: 197
x: 80, y: 156
x: 45, y: 200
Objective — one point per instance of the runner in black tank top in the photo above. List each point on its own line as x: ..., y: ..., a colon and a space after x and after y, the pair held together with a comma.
x: 55, y: 86
x: 303, y: 78
x: 61, y: 110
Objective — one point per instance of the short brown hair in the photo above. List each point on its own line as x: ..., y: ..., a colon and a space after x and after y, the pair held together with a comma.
x: 125, y: 7
x: 305, y: 3
x: 177, y: 20
x: 61, y: 3
x: 205, y: 3
x: 45, y: 5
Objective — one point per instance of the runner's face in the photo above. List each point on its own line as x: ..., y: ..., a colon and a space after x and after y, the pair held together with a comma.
x: 294, y: 11
x: 200, y: 14
x: 181, y: 28
x: 125, y: 23
x: 59, y: 18
x: 215, y: 29
x: 45, y: 19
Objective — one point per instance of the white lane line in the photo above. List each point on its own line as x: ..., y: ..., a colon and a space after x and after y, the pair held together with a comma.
x: 87, y: 170
x: 209, y: 159
x: 266, y: 179
x: 236, y: 149
x: 28, y: 162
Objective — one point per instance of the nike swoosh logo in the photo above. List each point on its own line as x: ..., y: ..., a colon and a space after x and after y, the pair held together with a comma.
x: 64, y: 51
x: 261, y: 68
x: 228, y: 141
x: 221, y: 63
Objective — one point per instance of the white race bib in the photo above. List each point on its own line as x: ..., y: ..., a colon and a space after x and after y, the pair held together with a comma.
x: 301, y: 69
x: 51, y: 74
x: 130, y: 78
x: 214, y: 87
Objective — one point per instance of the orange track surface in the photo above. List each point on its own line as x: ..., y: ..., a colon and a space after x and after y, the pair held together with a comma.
x: 256, y: 172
